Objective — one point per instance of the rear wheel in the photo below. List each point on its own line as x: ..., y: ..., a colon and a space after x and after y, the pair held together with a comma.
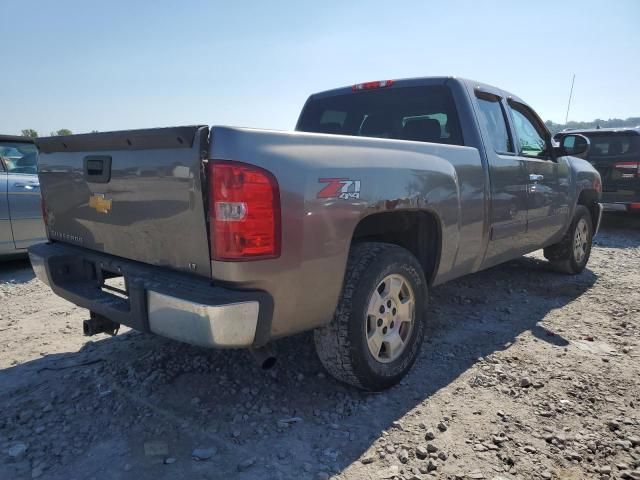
x: 378, y: 327
x: 571, y: 254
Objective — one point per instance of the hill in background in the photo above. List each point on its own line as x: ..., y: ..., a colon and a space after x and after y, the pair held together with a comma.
x: 611, y: 123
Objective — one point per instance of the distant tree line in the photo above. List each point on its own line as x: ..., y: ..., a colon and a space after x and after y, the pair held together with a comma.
x: 611, y: 123
x: 31, y: 133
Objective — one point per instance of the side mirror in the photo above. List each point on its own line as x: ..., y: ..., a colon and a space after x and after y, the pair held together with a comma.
x: 575, y: 145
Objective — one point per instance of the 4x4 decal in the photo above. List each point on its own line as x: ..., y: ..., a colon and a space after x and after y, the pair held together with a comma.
x: 342, y: 188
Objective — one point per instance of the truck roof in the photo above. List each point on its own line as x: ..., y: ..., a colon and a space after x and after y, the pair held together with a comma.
x: 422, y: 81
x: 631, y: 130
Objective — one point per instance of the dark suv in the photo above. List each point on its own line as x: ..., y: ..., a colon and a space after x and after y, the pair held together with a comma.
x: 615, y: 153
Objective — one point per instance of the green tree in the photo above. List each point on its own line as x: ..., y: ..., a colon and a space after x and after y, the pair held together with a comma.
x: 29, y: 132
x: 61, y: 132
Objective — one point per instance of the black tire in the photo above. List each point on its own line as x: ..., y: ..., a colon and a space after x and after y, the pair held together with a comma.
x: 562, y: 255
x: 342, y: 345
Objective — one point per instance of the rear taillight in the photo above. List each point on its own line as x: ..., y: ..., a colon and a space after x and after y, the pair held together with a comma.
x: 372, y: 85
x: 244, y: 212
x: 628, y: 169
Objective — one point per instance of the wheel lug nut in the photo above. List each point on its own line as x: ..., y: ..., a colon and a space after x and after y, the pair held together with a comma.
x: 392, y: 324
x: 384, y: 330
x: 379, y: 322
x: 393, y: 311
x: 389, y: 303
x: 381, y: 308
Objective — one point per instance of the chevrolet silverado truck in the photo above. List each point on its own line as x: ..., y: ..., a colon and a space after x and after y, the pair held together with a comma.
x: 233, y: 237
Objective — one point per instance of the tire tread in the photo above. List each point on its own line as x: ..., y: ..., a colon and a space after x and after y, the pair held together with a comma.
x: 561, y: 254
x: 332, y: 341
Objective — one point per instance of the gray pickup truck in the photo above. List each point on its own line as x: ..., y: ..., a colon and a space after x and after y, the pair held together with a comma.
x: 233, y: 237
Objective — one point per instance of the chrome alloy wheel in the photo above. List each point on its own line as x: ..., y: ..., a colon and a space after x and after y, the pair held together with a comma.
x: 580, y: 240
x: 390, y: 318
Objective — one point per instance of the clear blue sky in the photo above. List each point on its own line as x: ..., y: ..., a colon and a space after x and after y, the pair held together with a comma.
x: 116, y: 64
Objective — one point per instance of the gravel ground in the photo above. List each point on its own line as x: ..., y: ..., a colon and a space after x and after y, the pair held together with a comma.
x: 526, y: 373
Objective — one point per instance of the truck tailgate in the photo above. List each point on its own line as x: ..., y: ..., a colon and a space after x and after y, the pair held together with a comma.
x: 135, y: 194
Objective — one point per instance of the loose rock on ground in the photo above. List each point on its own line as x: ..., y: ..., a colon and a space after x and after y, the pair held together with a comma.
x: 525, y: 373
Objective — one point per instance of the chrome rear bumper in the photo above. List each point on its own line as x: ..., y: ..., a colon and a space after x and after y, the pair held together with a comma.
x: 614, y: 207
x: 183, y: 307
x: 230, y: 325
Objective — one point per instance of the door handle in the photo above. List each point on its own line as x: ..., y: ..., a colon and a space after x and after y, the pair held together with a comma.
x: 536, y: 178
x: 31, y: 186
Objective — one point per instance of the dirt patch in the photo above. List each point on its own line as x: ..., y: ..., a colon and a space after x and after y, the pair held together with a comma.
x: 526, y: 373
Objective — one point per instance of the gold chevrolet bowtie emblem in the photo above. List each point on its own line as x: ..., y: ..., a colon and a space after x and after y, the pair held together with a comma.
x: 100, y: 204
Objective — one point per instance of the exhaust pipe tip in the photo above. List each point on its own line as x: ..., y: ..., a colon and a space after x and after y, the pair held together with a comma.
x: 269, y: 363
x: 264, y: 357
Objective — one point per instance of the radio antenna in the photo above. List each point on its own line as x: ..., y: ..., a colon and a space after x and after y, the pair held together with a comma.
x: 566, y: 118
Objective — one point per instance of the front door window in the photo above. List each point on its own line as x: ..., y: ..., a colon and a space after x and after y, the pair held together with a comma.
x: 531, y: 141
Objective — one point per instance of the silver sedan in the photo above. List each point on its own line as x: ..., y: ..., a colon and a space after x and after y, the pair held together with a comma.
x: 21, y: 223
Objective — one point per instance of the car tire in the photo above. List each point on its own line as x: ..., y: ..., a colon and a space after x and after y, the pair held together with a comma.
x: 571, y: 254
x: 378, y: 327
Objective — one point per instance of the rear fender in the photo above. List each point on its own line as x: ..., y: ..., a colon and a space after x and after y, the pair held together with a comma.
x: 328, y: 184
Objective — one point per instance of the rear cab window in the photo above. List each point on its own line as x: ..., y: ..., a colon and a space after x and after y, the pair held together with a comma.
x: 612, y: 145
x: 423, y: 114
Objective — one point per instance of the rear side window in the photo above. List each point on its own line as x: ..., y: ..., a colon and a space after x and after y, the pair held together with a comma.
x: 612, y: 145
x: 493, y: 116
x: 423, y: 114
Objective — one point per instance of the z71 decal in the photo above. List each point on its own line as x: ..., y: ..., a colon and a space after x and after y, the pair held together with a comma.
x: 342, y: 188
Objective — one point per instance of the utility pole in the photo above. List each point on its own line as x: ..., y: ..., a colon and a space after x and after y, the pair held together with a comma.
x: 566, y: 118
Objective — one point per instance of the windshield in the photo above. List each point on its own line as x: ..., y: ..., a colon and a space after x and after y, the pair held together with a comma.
x: 19, y: 157
x: 423, y: 114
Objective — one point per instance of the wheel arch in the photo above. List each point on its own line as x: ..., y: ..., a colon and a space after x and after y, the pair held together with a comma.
x: 418, y: 231
x: 589, y: 198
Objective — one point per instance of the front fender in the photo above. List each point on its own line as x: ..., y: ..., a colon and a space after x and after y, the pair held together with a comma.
x: 586, y: 179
